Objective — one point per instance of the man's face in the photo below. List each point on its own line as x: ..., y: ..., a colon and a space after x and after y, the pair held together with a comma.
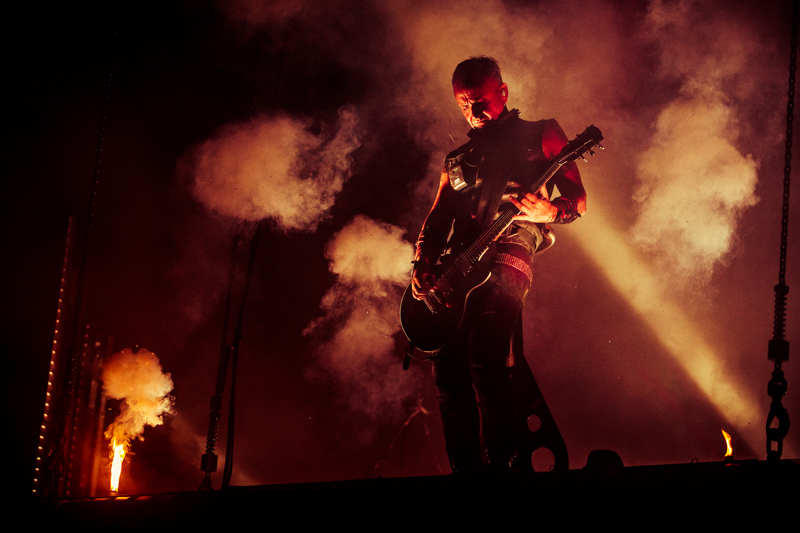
x: 482, y: 103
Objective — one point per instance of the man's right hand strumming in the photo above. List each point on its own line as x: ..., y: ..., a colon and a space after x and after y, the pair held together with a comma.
x: 423, y: 279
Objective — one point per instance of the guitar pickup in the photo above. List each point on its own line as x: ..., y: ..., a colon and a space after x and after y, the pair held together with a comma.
x: 464, y: 265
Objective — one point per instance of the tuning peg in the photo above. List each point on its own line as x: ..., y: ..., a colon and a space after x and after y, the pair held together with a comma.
x: 591, y: 152
x: 584, y: 159
x: 601, y: 146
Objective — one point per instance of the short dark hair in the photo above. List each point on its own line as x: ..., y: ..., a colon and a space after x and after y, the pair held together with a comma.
x: 471, y: 72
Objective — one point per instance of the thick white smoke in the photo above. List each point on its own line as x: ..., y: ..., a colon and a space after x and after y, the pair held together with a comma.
x: 694, y: 186
x: 366, y: 251
x: 356, y: 333
x: 138, y: 380
x: 275, y: 168
x: 693, y: 182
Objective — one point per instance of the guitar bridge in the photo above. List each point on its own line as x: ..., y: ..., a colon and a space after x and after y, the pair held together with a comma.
x: 430, y: 306
x: 432, y: 300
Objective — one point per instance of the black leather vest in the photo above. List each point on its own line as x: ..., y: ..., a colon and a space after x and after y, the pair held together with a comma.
x: 502, y: 159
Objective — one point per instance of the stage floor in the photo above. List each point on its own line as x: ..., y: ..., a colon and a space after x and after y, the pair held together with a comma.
x: 724, y: 490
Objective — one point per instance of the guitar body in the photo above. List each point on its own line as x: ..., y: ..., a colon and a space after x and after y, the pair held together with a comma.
x: 430, y: 330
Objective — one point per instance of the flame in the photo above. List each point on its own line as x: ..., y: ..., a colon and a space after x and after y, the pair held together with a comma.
x: 116, y: 466
x: 729, y: 452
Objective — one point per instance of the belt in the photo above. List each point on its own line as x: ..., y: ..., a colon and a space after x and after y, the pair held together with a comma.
x: 514, y: 262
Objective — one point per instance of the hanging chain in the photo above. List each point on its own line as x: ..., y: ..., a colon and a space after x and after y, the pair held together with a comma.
x: 778, y: 346
x: 788, y: 156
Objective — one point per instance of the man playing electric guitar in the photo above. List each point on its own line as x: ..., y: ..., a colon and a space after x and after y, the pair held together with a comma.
x: 499, y: 164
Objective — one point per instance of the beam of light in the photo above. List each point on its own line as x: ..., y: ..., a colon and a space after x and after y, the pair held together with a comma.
x: 629, y: 273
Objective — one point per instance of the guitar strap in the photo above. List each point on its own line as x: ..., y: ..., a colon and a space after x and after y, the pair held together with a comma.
x: 494, y: 173
x: 491, y: 195
x: 519, y: 139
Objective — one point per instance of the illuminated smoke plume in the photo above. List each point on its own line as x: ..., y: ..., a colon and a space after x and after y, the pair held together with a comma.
x: 138, y: 380
x: 356, y: 334
x: 694, y: 183
x: 275, y: 168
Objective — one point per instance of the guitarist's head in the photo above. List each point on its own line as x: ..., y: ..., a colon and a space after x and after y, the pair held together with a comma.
x: 479, y: 90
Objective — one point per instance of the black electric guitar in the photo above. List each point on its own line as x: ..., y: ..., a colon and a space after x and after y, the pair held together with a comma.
x: 430, y: 323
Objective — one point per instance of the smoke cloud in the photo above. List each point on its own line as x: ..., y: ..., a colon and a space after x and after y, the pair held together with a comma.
x: 138, y: 380
x: 693, y: 182
x: 694, y: 186
x: 356, y: 333
x: 275, y: 168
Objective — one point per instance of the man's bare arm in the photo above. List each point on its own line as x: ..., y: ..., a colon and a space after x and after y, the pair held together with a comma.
x: 536, y: 206
x: 432, y: 238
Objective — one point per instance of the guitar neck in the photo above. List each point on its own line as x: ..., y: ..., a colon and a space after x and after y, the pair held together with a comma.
x: 497, y: 227
x: 503, y: 220
x: 549, y: 173
x: 583, y: 143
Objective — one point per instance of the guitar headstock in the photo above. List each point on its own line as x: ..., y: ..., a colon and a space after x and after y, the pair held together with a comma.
x: 583, y: 143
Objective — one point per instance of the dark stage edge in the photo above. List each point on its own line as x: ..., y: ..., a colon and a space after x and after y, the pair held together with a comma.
x: 726, y: 490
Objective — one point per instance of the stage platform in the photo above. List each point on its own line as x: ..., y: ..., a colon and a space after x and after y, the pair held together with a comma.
x: 725, y: 490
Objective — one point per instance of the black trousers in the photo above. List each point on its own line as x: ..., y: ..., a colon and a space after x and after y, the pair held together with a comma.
x: 475, y: 362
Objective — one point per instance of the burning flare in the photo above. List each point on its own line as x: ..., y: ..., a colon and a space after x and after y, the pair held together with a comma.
x: 729, y: 452
x: 139, y: 381
x: 116, y: 465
